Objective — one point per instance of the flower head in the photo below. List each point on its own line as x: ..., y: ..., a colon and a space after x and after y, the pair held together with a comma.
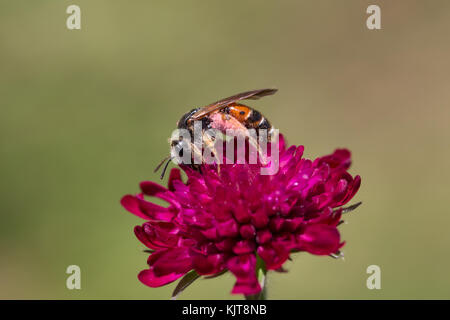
x: 226, y: 219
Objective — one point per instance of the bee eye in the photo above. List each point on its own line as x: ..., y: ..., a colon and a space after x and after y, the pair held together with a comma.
x: 242, y: 113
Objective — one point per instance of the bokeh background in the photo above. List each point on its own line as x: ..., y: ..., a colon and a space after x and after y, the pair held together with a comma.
x: 85, y: 116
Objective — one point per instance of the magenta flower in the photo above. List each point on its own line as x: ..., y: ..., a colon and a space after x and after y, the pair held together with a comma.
x: 239, y: 220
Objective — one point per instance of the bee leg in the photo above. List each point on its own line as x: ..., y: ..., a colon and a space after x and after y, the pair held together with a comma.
x: 210, y: 144
x: 198, y: 153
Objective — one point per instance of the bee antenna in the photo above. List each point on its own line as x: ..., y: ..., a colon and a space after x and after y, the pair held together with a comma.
x: 161, y: 163
x: 165, y: 167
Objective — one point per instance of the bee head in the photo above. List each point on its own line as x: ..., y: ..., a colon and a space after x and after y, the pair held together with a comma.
x: 183, y: 122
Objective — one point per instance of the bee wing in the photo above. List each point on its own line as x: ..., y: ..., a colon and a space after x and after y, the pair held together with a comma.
x: 253, y: 95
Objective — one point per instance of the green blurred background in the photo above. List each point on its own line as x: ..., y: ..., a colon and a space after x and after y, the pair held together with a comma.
x: 85, y: 116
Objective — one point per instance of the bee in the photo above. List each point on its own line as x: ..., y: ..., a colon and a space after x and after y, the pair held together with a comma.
x: 224, y: 114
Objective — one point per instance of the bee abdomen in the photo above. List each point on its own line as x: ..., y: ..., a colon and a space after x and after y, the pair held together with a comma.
x: 254, y: 118
x: 257, y: 121
x: 264, y: 124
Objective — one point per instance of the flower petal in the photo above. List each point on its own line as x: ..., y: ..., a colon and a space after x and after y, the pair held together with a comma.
x: 274, y: 255
x: 131, y: 204
x: 150, y: 188
x: 149, y: 278
x: 208, y: 264
x: 244, y: 269
x: 320, y: 239
x: 340, y: 158
x: 173, y: 260
x: 175, y: 175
